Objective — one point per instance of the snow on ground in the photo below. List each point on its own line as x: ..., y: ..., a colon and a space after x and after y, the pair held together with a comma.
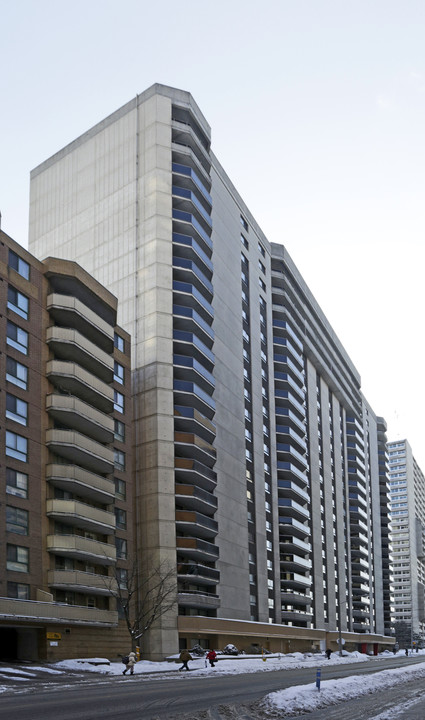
x: 301, y: 698
x: 305, y: 698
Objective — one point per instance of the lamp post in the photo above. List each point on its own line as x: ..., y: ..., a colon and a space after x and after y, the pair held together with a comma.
x: 340, y: 604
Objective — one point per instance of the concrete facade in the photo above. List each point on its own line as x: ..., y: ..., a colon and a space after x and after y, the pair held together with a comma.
x: 257, y: 469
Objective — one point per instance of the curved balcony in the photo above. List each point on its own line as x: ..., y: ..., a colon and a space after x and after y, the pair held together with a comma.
x: 183, y: 136
x: 294, y: 598
x: 189, y: 394
x: 188, y: 320
x: 68, y: 344
x: 286, y: 469
x: 288, y: 452
x: 81, y: 450
x: 187, y: 200
x: 285, y: 399
x: 294, y: 581
x: 70, y: 312
x: 187, y: 271
x: 283, y: 363
x: 293, y: 509
x: 290, y: 525
x: 188, y: 368
x: 78, y: 514
x: 283, y: 345
x: 187, y: 419
x: 187, y: 174
x: 78, y: 481
x: 187, y: 295
x: 187, y: 224
x: 78, y: 415
x: 191, y: 497
x: 289, y: 489
x: 80, y: 581
x: 297, y: 618
x: 290, y: 544
x: 198, y: 599
x: 284, y: 381
x: 286, y: 434
x: 197, y: 549
x: 82, y: 548
x: 195, y: 473
x: 294, y: 563
x: 192, y: 446
x: 77, y: 381
x: 184, y: 154
x: 194, y: 523
x: 197, y: 573
x: 285, y: 415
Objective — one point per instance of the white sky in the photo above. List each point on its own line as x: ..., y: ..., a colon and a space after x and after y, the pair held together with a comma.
x: 317, y: 109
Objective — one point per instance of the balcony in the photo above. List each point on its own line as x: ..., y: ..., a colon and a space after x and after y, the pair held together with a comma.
x: 298, y: 618
x: 286, y: 434
x: 74, y: 479
x: 192, y: 446
x: 81, y: 450
x: 193, y: 498
x: 289, y: 543
x: 188, y: 320
x: 72, y: 378
x: 78, y: 415
x: 81, y: 548
x: 197, y: 549
x: 294, y: 598
x: 68, y: 344
x: 294, y: 581
x: 187, y: 343
x: 17, y: 611
x: 190, y: 420
x: 190, y: 394
x: 72, y: 313
x: 198, y: 599
x: 285, y: 399
x: 292, y: 455
x: 196, y: 524
x: 188, y: 368
x: 78, y: 514
x: 289, y: 489
x: 285, y: 469
x: 290, y: 525
x: 80, y: 581
x: 294, y: 563
x: 182, y: 153
x: 195, y: 473
x: 293, y: 509
x: 197, y: 573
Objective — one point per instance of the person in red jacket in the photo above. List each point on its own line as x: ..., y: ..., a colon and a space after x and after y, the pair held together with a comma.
x: 211, y: 656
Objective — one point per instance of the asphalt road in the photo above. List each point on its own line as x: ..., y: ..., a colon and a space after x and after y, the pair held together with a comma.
x: 180, y: 695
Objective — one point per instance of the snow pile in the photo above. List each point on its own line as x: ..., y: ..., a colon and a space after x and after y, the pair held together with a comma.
x: 305, y: 698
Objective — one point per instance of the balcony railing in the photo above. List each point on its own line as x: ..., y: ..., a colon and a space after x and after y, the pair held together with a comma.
x: 78, y: 514
x: 79, y: 415
x: 17, y: 611
x: 82, y: 548
x: 83, y: 582
x: 70, y: 312
x: 68, y: 344
x: 79, y: 382
x: 82, y: 450
x: 75, y: 479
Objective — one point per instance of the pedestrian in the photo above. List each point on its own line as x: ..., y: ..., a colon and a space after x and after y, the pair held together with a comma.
x: 185, y: 656
x: 211, y: 657
x: 395, y: 650
x: 328, y: 653
x: 131, y: 661
x: 406, y: 652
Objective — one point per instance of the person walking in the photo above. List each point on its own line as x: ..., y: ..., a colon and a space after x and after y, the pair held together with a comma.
x: 211, y: 657
x: 185, y: 656
x: 130, y: 663
x: 328, y: 654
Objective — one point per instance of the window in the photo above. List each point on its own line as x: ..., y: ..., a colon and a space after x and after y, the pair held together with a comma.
x: 17, y: 302
x: 262, y: 284
x: 19, y: 265
x: 16, y: 409
x: 118, y: 342
x: 16, y: 483
x: 244, y: 223
x: 119, y: 459
x: 16, y: 446
x: 18, y: 590
x: 244, y: 241
x: 262, y: 267
x: 118, y: 372
x: 121, y: 546
x: 261, y: 249
x: 119, y: 430
x: 118, y: 401
x: 122, y: 578
x: 16, y: 520
x: 120, y: 490
x: 17, y: 558
x: 16, y: 373
x: 121, y: 518
x: 17, y: 338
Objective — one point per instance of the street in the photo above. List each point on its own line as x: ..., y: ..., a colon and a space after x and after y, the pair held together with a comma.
x: 187, y: 697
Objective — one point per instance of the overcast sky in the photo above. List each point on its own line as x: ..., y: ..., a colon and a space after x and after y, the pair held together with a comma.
x: 317, y: 109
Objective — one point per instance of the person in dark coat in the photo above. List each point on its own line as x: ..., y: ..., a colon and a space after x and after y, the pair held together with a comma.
x: 185, y: 656
x: 211, y: 657
x: 328, y: 653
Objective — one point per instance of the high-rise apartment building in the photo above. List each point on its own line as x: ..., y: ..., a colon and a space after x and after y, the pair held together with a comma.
x: 257, y: 456
x: 66, y: 448
x: 407, y: 505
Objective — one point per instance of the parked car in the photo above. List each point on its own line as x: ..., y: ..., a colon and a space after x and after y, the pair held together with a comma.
x: 231, y: 650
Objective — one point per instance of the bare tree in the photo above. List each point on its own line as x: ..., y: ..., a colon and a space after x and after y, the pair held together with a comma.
x: 144, y: 598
